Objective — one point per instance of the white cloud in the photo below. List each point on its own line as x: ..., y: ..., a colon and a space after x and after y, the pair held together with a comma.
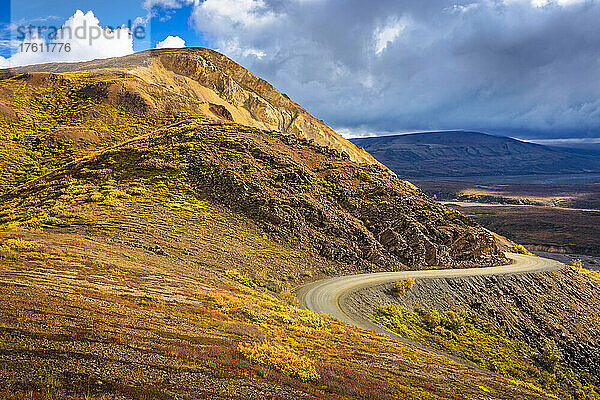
x: 237, y: 12
x: 547, y: 3
x: 364, y: 131
x: 386, y: 34
x: 357, y: 132
x: 233, y: 48
x: 81, y: 38
x: 564, y: 141
x: 461, y: 8
x: 167, y: 4
x: 171, y: 42
x: 563, y: 3
x: 231, y: 21
x: 141, y: 20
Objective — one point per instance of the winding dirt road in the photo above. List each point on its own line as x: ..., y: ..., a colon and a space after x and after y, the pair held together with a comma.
x: 328, y: 296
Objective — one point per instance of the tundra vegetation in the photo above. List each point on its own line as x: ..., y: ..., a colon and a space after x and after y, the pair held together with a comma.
x: 484, y: 344
x: 536, y: 328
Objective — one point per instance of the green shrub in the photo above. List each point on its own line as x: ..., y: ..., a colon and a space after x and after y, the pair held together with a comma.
x: 281, y: 358
x: 401, y: 287
x: 549, y: 356
x: 329, y: 271
x: 522, y: 250
x: 363, y: 177
x: 593, y: 275
x: 431, y: 318
x: 244, y: 280
x: 452, y: 321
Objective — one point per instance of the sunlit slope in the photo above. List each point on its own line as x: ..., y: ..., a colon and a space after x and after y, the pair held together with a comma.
x: 160, y: 84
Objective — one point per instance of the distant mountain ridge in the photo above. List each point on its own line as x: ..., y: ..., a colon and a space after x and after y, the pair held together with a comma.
x: 464, y: 153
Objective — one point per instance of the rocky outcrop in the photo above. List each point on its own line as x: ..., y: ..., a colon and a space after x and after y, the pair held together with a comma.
x: 356, y: 215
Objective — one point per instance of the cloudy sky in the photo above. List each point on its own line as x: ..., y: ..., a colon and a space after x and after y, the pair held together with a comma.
x: 525, y: 68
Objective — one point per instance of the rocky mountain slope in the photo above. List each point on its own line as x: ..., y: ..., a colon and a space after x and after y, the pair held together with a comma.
x: 312, y: 197
x: 355, y: 213
x: 461, y: 154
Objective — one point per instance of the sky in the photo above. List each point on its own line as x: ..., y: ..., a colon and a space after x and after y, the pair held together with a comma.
x: 521, y: 68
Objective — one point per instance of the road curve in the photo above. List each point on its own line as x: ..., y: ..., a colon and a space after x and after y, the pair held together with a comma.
x: 328, y: 296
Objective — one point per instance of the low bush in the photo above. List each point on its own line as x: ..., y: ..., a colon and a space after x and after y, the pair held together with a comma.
x: 399, y: 288
x: 522, y: 250
x: 20, y: 245
x: 549, y: 356
x: 593, y: 275
x: 432, y: 319
x: 329, y: 271
x: 243, y: 279
x: 280, y: 358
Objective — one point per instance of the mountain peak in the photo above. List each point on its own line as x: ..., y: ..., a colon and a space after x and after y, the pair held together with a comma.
x: 222, y: 89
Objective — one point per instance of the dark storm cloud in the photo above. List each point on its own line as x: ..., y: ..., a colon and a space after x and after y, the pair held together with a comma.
x: 389, y: 65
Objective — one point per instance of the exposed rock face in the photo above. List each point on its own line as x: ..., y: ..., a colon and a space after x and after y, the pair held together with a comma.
x: 206, y: 76
x: 220, y: 112
x: 356, y: 215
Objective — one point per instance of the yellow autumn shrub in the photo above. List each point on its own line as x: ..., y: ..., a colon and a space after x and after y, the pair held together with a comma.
x: 281, y: 358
